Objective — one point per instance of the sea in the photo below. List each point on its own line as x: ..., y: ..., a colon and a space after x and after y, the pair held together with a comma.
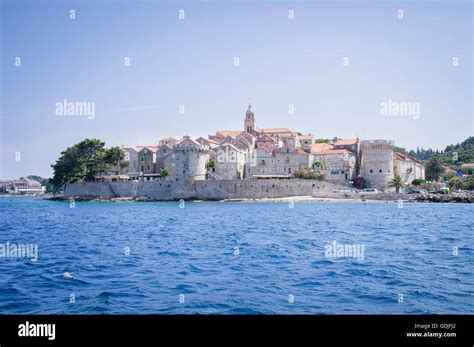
x: 235, y: 257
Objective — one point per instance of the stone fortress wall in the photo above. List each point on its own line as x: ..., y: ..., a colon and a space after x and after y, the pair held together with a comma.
x: 200, y: 190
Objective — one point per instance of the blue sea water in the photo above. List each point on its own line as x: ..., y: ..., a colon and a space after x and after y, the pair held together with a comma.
x: 236, y: 258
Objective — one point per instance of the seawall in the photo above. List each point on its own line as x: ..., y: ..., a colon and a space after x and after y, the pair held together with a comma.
x: 199, y: 190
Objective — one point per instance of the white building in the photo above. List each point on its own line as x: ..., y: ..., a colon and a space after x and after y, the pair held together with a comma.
x: 26, y: 186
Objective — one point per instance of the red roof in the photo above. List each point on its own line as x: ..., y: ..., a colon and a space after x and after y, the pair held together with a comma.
x: 233, y: 133
x: 150, y: 148
x: 298, y: 150
x: 186, y: 141
x: 275, y: 130
x: 334, y: 151
x: 319, y: 147
x: 405, y: 157
x: 346, y: 142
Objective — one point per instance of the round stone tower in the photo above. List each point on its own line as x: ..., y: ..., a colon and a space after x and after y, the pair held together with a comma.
x: 189, y: 159
x: 377, y: 162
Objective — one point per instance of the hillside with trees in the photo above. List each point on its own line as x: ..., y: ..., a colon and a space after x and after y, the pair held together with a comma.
x: 453, y: 155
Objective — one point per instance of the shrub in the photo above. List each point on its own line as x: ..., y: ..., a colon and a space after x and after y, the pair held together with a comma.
x: 308, y: 174
x: 418, y: 181
x: 468, y: 183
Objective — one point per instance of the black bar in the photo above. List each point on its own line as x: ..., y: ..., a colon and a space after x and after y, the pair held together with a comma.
x: 308, y: 330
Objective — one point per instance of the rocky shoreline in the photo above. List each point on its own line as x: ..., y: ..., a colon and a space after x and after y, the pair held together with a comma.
x: 392, y: 198
x: 468, y: 199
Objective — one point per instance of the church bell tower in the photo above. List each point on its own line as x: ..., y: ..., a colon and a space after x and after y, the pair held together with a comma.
x: 249, y: 122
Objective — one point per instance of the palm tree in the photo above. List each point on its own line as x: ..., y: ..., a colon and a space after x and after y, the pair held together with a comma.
x: 397, y: 183
x: 434, y: 168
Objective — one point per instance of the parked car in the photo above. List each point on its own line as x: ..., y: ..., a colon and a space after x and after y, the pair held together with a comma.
x: 369, y: 191
x: 416, y: 191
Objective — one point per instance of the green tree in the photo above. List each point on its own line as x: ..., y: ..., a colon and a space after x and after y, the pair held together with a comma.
x: 164, y: 172
x: 418, y: 181
x: 210, y: 164
x: 306, y: 173
x: 455, y: 183
x: 83, y: 161
x: 318, y: 164
x: 434, y: 169
x: 468, y: 183
x: 447, y: 176
x: 397, y: 183
x: 322, y: 141
x: 114, y: 156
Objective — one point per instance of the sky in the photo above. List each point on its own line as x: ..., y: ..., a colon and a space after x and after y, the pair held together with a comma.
x: 334, y: 62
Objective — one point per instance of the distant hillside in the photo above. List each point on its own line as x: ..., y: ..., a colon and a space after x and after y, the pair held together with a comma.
x: 464, y: 150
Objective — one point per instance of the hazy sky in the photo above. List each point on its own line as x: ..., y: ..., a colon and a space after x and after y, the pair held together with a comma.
x: 190, y: 61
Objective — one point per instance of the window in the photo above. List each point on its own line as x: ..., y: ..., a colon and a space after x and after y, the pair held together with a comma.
x: 263, y: 162
x: 371, y: 171
x: 287, y: 160
x: 334, y: 172
x: 289, y: 170
x: 380, y: 170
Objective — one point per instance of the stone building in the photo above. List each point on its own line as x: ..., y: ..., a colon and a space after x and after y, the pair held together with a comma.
x: 164, y: 158
x: 407, y: 167
x: 265, y: 163
x: 229, y: 162
x: 281, y: 161
x: 189, y: 160
x: 147, y: 159
x: 131, y: 156
x: 337, y: 165
x: 306, y: 140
